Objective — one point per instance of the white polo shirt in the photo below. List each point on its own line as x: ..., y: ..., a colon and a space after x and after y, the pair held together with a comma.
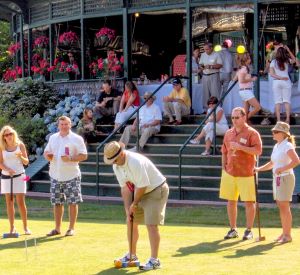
x: 148, y: 114
x: 60, y: 170
x: 280, y: 157
x: 140, y: 171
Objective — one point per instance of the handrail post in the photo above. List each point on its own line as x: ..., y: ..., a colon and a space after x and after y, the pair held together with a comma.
x: 215, y: 131
x: 180, y: 177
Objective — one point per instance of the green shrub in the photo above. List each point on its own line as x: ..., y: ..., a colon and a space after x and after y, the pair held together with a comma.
x: 26, y: 97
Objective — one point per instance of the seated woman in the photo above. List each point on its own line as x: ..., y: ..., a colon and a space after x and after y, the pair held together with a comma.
x: 86, y: 126
x: 208, y: 129
x: 129, y: 102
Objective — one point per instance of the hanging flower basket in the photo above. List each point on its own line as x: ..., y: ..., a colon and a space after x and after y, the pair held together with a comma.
x: 69, y: 39
x: 104, y: 36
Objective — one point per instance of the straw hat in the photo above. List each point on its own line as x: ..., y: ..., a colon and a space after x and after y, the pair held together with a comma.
x: 282, y: 127
x: 112, y: 150
x: 148, y: 94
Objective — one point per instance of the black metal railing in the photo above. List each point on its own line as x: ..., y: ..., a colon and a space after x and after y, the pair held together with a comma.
x: 196, y: 130
x: 116, y: 130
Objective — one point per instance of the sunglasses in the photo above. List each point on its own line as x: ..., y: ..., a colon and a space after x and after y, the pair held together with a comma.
x: 8, y: 135
x: 235, y: 117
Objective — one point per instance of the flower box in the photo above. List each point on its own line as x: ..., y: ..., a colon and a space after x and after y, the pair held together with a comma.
x: 60, y: 76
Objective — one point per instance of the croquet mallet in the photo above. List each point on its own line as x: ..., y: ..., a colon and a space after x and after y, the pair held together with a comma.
x: 130, y: 263
x: 260, y: 237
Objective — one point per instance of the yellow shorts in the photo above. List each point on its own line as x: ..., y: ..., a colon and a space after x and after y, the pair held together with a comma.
x: 233, y: 187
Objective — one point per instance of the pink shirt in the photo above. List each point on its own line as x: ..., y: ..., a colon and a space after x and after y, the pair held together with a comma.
x: 241, y: 71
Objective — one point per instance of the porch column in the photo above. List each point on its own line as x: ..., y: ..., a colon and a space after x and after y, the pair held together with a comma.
x: 22, y: 44
x: 189, y: 49
x: 127, y: 41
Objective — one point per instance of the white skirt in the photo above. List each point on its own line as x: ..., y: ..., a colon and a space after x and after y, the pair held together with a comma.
x: 19, y: 185
x: 246, y: 94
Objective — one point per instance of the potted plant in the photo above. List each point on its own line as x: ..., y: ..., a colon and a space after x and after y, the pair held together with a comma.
x: 11, y: 74
x: 40, y: 68
x: 62, y: 70
x: 69, y: 39
x: 110, y: 67
x: 104, y: 36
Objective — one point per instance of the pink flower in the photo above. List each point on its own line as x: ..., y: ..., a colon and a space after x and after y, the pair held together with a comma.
x: 110, y: 33
x: 122, y: 59
x: 41, y: 42
x: 68, y: 37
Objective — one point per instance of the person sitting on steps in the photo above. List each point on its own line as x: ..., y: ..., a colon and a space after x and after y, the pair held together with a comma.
x: 208, y: 129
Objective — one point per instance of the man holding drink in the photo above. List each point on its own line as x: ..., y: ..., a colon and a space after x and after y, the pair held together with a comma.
x: 64, y: 151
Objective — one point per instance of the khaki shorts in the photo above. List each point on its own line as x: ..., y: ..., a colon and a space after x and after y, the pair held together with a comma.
x: 151, y: 209
x: 284, y: 188
x: 233, y: 187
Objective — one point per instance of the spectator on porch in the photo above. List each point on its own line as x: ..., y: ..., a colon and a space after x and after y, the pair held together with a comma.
x: 196, y: 70
x: 246, y: 86
x: 108, y: 102
x: 178, y: 102
x: 210, y: 63
x: 208, y: 129
x: 129, y: 102
x: 227, y: 68
x: 282, y: 85
x: 86, y: 127
x: 150, y: 119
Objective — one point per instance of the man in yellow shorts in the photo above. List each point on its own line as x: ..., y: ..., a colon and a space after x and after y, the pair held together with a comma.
x: 240, y: 147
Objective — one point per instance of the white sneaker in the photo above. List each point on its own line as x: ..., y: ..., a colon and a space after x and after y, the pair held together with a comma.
x: 205, y: 153
x: 151, y: 264
x: 194, y: 141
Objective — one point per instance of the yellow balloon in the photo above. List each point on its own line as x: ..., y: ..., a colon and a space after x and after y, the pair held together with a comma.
x: 241, y: 49
x: 217, y: 48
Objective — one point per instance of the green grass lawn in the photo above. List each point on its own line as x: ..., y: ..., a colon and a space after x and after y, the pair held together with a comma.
x: 192, y: 243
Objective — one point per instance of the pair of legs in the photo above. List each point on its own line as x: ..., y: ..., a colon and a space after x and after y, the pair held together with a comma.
x: 146, y: 133
x: 59, y: 212
x: 253, y: 102
x: 232, y: 213
x: 153, y: 234
x: 10, y: 208
x: 286, y: 220
x: 287, y: 107
x: 123, y: 116
x: 177, y: 108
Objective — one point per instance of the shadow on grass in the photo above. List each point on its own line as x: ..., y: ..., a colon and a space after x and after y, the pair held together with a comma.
x: 223, y: 245
x: 20, y: 242
x: 112, y: 270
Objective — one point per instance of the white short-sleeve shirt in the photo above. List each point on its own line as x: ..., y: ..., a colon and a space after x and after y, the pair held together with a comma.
x: 150, y: 113
x: 280, y: 157
x: 140, y: 171
x: 279, y: 72
x: 60, y: 170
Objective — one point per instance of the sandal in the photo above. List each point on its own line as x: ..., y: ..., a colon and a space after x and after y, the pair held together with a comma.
x: 70, y: 232
x: 284, y: 240
x: 53, y: 232
x: 27, y: 232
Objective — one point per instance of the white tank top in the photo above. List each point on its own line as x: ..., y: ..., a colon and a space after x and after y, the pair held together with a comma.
x: 11, y: 161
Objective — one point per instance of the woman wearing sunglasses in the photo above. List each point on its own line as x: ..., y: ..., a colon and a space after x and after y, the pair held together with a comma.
x: 283, y: 159
x: 13, y: 156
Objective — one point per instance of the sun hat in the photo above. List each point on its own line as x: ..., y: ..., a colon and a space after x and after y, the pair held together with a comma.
x: 112, y: 150
x: 282, y: 127
x: 147, y: 95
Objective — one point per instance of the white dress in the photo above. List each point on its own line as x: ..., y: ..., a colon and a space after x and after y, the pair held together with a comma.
x: 12, y: 161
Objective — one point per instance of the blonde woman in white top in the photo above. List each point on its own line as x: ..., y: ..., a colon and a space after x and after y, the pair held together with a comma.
x: 13, y: 156
x: 283, y: 159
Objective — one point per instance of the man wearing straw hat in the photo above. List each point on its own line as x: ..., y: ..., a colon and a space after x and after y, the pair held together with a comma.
x: 150, y: 118
x: 145, y: 193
